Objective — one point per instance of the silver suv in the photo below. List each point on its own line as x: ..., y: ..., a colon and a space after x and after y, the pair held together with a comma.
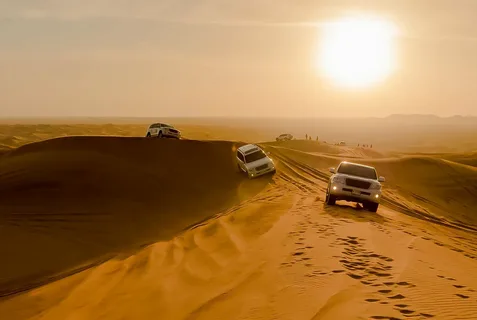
x: 355, y: 183
x: 253, y: 161
x: 162, y: 130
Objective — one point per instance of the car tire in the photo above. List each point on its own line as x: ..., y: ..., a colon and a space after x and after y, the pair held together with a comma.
x: 330, y: 199
x: 372, y: 206
x: 148, y: 135
x: 239, y: 168
x: 159, y: 135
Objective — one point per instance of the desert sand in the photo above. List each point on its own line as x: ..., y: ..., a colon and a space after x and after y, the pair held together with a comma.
x: 124, y: 227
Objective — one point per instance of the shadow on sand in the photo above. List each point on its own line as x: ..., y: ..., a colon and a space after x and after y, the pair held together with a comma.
x: 354, y: 212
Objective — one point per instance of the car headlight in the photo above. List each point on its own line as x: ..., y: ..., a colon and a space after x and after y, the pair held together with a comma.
x: 375, y: 186
x: 339, y: 179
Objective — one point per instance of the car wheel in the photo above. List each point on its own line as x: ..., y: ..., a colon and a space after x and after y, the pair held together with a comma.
x: 239, y: 168
x: 148, y: 135
x: 373, y: 207
x: 330, y: 199
x: 160, y: 135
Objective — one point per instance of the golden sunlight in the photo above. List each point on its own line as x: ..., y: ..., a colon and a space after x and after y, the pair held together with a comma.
x: 357, y: 52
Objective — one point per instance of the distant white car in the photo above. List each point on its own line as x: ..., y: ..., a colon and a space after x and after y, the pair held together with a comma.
x: 355, y: 183
x: 252, y: 160
x: 284, y: 137
x: 161, y: 130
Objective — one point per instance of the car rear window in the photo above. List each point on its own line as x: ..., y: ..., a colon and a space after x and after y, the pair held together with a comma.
x: 358, y: 171
x: 257, y: 155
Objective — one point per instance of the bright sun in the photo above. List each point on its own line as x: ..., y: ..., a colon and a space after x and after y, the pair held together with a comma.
x: 357, y: 52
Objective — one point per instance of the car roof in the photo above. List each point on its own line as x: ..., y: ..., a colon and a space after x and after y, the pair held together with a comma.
x: 357, y: 164
x: 249, y: 148
x: 160, y: 123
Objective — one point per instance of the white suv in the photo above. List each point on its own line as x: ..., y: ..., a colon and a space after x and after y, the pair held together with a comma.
x: 284, y: 137
x: 356, y: 183
x: 254, y: 161
x: 162, y: 130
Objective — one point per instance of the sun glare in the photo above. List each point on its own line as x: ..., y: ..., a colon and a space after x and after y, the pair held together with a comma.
x: 357, y: 52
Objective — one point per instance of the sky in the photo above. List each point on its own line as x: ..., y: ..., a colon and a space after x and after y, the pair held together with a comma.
x: 226, y: 58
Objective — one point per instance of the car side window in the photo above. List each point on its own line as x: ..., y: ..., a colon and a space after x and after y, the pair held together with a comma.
x: 240, y: 156
x: 154, y: 126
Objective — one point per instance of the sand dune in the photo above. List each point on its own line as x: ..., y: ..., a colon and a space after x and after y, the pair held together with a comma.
x: 320, y: 148
x: 262, y: 249
x: 422, y: 185
x: 68, y: 201
x: 469, y: 159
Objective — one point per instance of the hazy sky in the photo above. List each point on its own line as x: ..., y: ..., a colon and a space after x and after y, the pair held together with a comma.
x: 225, y: 58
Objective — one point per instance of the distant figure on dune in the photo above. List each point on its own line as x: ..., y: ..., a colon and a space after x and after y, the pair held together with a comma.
x: 317, y: 138
x: 306, y: 136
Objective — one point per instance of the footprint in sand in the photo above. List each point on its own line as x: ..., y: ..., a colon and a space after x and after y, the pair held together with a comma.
x: 406, y: 311
x: 380, y: 274
x: 354, y: 276
x: 338, y: 271
x: 462, y: 296
x: 426, y: 315
x: 385, y: 291
x: 407, y: 284
x: 371, y: 300
x: 397, y: 297
x: 298, y: 253
x: 458, y: 286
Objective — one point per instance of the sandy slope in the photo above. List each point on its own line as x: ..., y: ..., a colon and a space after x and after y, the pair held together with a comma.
x: 276, y: 253
x: 66, y: 202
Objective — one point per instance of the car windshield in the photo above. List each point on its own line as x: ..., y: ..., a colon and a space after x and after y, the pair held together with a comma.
x: 358, y: 171
x: 255, y: 156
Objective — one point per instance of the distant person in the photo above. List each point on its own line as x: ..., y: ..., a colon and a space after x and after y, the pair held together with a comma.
x: 358, y: 145
x: 306, y: 136
x: 317, y: 138
x: 371, y: 146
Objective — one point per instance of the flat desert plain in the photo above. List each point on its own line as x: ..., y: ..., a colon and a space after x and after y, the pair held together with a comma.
x: 99, y: 222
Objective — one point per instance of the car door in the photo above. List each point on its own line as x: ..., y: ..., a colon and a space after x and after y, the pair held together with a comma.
x: 153, y: 129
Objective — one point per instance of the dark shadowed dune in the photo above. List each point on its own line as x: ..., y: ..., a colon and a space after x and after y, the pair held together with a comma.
x: 71, y: 201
